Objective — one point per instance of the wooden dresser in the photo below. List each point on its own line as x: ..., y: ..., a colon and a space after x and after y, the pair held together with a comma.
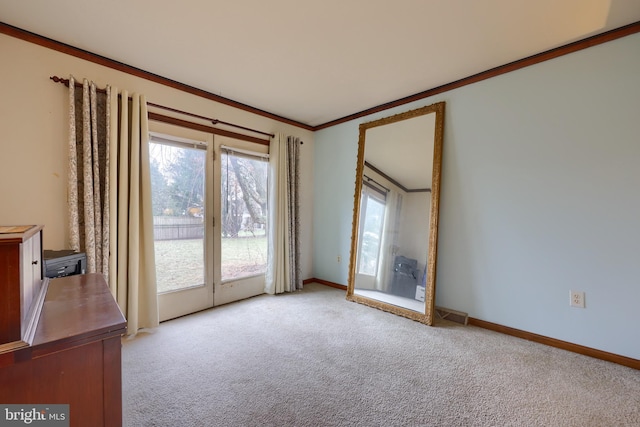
x: 22, y: 288
x: 75, y: 355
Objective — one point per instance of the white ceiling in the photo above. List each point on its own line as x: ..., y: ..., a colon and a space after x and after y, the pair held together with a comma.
x: 316, y: 61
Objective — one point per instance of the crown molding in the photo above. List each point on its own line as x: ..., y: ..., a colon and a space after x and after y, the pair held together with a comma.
x: 493, y: 72
x: 484, y: 75
x: 119, y: 66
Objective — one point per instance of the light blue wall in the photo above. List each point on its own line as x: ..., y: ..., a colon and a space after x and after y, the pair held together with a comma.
x: 334, y: 185
x: 540, y: 195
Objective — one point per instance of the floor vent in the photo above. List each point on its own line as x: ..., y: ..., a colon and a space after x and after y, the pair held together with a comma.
x: 452, y: 315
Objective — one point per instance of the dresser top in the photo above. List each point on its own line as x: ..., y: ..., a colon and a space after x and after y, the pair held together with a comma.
x: 77, y: 308
x: 11, y: 234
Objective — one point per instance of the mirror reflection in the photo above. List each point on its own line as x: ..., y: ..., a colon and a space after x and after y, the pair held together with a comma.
x: 393, y: 219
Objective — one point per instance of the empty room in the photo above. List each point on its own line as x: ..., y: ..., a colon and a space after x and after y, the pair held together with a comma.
x: 371, y: 213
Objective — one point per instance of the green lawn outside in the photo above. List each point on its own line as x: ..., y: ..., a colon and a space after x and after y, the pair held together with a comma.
x: 180, y: 263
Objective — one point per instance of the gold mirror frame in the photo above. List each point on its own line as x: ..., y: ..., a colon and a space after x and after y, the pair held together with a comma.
x: 428, y: 316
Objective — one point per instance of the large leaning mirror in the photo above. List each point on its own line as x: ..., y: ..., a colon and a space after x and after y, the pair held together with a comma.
x: 395, y: 215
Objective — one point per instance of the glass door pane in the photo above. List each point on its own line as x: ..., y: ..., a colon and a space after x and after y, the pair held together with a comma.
x: 373, y: 213
x: 178, y: 202
x: 243, y: 200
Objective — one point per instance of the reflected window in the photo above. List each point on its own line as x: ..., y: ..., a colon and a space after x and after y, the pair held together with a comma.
x: 372, y: 221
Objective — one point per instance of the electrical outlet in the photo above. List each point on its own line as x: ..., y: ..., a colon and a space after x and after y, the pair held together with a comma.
x: 339, y: 259
x: 576, y: 299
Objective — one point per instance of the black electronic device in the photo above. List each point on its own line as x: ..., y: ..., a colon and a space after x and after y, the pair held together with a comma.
x: 406, y: 277
x: 63, y: 263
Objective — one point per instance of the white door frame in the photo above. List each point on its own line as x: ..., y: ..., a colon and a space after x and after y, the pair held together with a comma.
x: 233, y: 290
x: 182, y: 302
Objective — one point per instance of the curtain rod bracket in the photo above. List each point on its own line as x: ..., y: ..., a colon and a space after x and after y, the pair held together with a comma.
x: 59, y: 80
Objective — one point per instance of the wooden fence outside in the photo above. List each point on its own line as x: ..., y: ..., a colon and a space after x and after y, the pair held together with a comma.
x: 175, y: 228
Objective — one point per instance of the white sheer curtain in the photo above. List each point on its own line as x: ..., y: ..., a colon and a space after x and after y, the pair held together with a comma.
x: 283, y: 262
x: 110, y: 206
x: 389, y: 243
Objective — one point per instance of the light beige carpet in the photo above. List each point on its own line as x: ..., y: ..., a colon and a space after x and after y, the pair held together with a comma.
x: 312, y: 358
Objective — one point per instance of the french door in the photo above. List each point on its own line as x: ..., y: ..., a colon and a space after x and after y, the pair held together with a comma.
x: 182, y: 202
x: 209, y: 207
x: 372, y: 218
x: 241, y: 224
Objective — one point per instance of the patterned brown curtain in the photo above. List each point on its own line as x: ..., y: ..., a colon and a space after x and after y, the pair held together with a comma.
x: 293, y: 205
x: 88, y: 186
x: 284, y: 272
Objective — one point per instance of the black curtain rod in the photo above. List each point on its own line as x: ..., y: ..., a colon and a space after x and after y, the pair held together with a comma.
x: 369, y: 179
x: 175, y: 110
